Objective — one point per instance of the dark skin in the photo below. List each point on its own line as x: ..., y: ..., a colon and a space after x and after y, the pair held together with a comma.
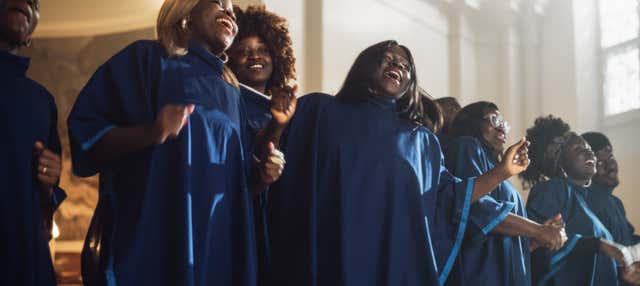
x: 393, y: 79
x: 18, y: 20
x: 252, y: 63
x: 495, y: 137
x: 579, y: 163
x: 606, y: 168
x: 211, y: 24
x: 550, y: 234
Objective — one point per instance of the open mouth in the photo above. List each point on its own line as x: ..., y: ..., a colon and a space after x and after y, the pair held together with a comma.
x: 502, y: 137
x: 394, y: 75
x: 255, y: 66
x: 590, y: 163
x: 226, y: 23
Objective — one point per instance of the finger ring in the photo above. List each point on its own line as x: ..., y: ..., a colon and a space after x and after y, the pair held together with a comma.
x: 44, y: 170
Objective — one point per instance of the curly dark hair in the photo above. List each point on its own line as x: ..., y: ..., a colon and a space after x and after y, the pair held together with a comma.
x: 360, y: 80
x: 541, y: 135
x: 596, y: 140
x: 273, y: 29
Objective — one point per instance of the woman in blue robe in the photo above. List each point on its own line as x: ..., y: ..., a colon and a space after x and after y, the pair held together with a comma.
x: 497, y: 242
x: 365, y: 198
x: 262, y: 59
x: 30, y: 163
x: 561, y: 168
x: 164, y: 126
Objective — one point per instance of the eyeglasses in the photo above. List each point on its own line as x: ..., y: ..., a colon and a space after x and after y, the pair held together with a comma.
x: 497, y: 121
x: 34, y: 3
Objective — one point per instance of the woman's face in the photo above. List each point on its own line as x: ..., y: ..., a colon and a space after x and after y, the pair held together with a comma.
x: 18, y: 19
x: 394, y: 73
x: 606, y: 168
x: 213, y: 24
x: 251, y: 61
x: 577, y: 160
x: 494, y: 130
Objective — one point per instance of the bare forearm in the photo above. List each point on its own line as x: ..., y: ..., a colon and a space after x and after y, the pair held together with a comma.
x: 121, y: 141
x: 514, y: 225
x: 487, y: 182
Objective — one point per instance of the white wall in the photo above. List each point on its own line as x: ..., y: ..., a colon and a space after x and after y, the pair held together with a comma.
x: 532, y: 58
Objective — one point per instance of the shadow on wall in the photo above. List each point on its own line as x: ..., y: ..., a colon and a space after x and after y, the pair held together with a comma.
x: 63, y: 66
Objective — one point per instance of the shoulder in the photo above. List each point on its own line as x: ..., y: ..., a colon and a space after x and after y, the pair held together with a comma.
x: 314, y: 101
x: 555, y: 188
x: 138, y: 52
x: 41, y: 93
x: 466, y: 143
x: 316, y: 97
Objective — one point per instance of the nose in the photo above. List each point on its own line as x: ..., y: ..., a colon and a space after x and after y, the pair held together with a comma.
x: 253, y: 54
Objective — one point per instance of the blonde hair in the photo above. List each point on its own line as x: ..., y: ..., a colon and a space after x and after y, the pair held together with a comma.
x: 170, y: 33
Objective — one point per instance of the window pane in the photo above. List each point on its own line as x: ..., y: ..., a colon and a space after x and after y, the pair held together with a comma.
x: 621, y: 81
x: 618, y: 21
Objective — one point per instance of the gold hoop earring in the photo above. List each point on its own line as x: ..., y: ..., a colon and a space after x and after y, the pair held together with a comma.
x: 224, y: 57
x: 27, y: 43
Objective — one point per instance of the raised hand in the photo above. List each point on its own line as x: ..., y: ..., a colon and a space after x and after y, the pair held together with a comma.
x: 48, y: 166
x: 283, y: 103
x: 272, y: 166
x: 170, y: 120
x: 516, y: 158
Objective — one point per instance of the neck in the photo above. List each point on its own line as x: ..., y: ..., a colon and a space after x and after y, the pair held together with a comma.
x: 580, y: 182
x: 262, y: 88
x: 7, y: 47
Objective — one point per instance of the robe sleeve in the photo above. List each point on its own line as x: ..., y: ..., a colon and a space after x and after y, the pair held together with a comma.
x: 58, y: 195
x: 545, y: 201
x: 635, y: 239
x: 118, y: 94
x: 487, y: 212
x: 448, y: 222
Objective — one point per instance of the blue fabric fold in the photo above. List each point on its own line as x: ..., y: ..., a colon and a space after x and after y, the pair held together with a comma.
x: 487, y: 256
x: 178, y: 213
x: 579, y: 262
x: 365, y: 199
x: 27, y: 114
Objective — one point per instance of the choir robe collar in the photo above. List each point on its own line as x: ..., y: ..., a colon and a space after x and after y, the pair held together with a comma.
x: 13, y: 64
x: 198, y: 50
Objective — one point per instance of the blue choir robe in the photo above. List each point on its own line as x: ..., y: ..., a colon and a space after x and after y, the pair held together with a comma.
x: 579, y: 261
x: 365, y: 199
x: 178, y: 213
x: 258, y: 109
x: 495, y: 258
x: 258, y: 116
x: 610, y: 210
x: 27, y: 114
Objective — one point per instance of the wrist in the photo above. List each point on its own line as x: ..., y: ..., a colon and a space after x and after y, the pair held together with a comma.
x: 502, y: 171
